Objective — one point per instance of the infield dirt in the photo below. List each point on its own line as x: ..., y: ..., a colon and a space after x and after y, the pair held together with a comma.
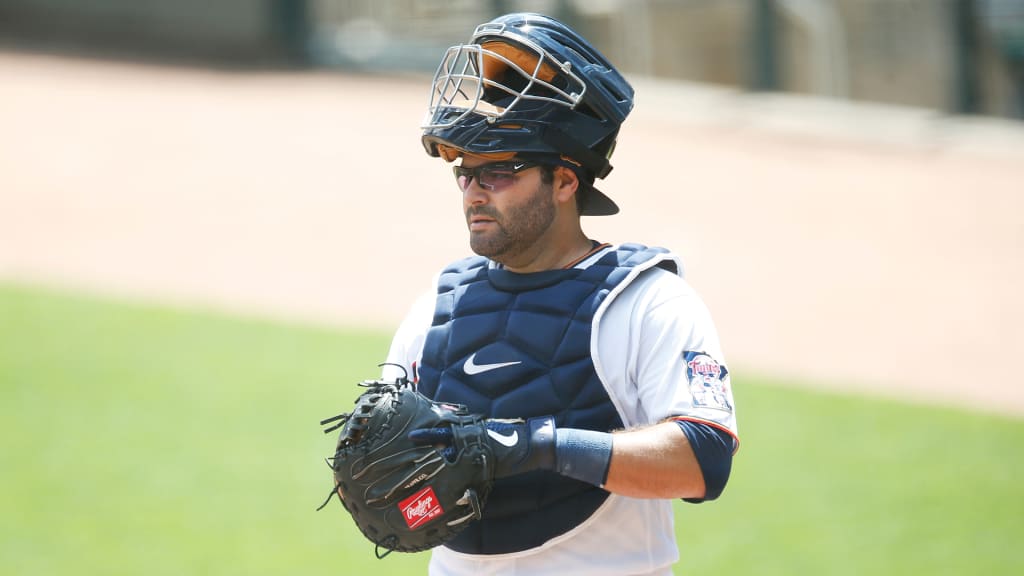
x: 869, y: 248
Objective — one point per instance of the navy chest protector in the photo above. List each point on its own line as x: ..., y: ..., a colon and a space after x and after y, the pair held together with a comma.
x: 516, y: 346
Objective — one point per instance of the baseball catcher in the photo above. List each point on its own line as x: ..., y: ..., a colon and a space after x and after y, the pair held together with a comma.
x: 567, y: 390
x: 413, y: 473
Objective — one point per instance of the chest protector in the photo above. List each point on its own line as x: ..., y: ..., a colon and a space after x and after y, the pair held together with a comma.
x: 511, y: 345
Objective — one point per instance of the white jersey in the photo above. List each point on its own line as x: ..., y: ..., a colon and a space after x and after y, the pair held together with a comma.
x: 657, y: 353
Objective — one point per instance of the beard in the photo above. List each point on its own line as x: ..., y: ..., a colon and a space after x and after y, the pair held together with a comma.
x: 516, y: 229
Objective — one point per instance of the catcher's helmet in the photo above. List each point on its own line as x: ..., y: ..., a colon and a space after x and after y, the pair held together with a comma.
x: 528, y: 85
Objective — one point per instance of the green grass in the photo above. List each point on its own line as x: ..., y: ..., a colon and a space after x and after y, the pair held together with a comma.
x: 827, y: 484
x: 139, y: 440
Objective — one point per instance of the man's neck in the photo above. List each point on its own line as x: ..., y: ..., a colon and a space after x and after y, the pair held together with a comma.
x: 551, y: 255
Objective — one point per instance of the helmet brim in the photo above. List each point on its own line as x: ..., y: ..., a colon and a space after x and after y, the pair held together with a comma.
x: 597, y: 204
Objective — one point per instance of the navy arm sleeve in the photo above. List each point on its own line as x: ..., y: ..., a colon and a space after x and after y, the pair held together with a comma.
x: 713, y: 449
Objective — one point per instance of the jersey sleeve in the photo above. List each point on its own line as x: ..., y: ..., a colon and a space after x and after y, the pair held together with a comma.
x: 664, y: 354
x: 682, y: 367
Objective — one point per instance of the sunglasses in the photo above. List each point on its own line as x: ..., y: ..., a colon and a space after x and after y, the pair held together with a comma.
x: 493, y: 176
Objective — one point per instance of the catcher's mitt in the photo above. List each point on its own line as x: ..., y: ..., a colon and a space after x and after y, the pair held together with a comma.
x: 403, y: 495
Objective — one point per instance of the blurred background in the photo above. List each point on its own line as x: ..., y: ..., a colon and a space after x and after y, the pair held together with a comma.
x: 213, y: 215
x: 842, y: 177
x: 959, y: 56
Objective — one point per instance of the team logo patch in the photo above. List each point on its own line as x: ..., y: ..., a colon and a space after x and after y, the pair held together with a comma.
x: 420, y: 508
x: 709, y: 381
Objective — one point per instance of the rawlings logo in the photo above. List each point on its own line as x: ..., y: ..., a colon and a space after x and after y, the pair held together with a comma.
x: 420, y: 508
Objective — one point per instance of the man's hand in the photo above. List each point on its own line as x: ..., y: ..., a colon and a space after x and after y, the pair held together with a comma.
x: 517, y: 446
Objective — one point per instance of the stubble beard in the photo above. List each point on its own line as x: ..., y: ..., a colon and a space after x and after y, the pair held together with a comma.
x: 515, y: 230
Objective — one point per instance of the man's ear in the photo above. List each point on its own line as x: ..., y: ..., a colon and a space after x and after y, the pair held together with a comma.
x: 565, y: 184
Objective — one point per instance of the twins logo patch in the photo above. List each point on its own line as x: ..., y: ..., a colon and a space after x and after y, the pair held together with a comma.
x: 709, y: 381
x: 420, y: 508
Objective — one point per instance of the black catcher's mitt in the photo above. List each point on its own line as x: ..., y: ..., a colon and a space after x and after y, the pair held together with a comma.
x: 403, y: 495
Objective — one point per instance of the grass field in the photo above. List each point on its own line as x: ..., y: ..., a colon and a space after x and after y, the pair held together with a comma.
x: 144, y: 440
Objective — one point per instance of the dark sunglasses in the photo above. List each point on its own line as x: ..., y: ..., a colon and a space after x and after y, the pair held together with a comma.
x: 492, y: 176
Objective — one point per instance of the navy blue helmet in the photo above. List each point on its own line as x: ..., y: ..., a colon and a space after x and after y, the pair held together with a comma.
x: 529, y: 86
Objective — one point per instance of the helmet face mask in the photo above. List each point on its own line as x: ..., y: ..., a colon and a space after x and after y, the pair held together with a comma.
x: 526, y: 85
x: 497, y: 79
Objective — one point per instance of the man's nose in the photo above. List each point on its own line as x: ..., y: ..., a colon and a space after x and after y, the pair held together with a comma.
x: 474, y: 193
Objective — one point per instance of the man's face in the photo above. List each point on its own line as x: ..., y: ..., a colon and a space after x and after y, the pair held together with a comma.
x: 508, y: 220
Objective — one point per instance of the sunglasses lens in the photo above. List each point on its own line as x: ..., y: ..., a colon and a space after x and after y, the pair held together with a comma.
x: 488, y: 176
x: 496, y: 178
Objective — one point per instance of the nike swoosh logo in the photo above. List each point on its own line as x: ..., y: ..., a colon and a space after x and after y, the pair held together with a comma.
x: 471, y: 367
x: 506, y: 441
